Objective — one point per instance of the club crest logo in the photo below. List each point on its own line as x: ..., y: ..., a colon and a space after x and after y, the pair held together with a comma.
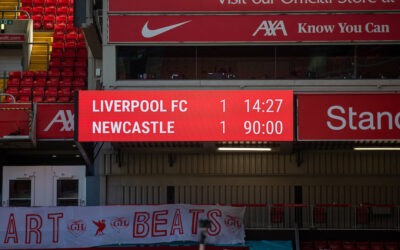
x: 233, y: 223
x: 119, y: 224
x: 76, y: 227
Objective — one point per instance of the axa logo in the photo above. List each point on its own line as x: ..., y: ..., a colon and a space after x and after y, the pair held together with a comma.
x: 66, y: 118
x: 270, y: 28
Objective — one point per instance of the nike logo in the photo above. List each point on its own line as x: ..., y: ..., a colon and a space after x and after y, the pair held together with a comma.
x: 148, y: 33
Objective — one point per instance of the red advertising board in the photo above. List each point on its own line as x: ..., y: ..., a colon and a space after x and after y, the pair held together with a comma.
x: 250, y: 5
x: 253, y: 28
x: 348, y: 117
x: 12, y: 37
x: 185, y: 115
x: 15, y: 119
x: 55, y: 121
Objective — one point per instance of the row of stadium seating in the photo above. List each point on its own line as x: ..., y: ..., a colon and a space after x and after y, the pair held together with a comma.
x: 43, y: 86
x: 349, y: 245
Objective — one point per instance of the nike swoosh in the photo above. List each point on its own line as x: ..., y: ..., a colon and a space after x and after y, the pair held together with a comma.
x: 148, y: 33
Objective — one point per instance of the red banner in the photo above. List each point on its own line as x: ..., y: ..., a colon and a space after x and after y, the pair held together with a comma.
x: 185, y: 115
x: 12, y: 37
x: 250, y: 5
x: 15, y: 119
x: 254, y: 28
x: 55, y: 121
x: 349, y: 117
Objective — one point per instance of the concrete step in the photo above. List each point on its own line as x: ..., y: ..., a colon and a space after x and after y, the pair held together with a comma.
x: 43, y: 34
x: 40, y: 52
x: 38, y: 67
x: 43, y: 39
x: 7, y: 7
x: 39, y: 59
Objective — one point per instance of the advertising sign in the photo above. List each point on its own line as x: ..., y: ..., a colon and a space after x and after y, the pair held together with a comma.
x: 12, y: 37
x: 80, y: 227
x: 253, y: 28
x: 55, y: 121
x: 349, y: 117
x: 15, y: 120
x: 204, y: 115
x: 250, y: 5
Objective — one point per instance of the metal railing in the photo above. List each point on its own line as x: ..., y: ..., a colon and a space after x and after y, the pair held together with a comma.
x: 15, y: 11
x: 322, y: 216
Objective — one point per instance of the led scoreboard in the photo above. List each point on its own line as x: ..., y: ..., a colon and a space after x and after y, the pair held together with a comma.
x: 187, y: 115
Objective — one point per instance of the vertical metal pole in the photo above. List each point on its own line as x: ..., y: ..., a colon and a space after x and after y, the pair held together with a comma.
x: 196, y: 65
x: 275, y: 59
x: 312, y: 215
x: 355, y: 62
x: 47, y: 57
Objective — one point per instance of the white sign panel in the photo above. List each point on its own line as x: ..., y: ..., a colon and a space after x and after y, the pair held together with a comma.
x: 78, y: 227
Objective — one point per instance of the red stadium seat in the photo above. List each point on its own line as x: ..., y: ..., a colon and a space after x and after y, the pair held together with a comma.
x: 72, y: 36
x: 38, y: 92
x: 67, y: 65
x: 71, y: 28
x: 63, y: 99
x: 14, y: 74
x: 363, y: 245
x: 65, y: 84
x: 26, y: 83
x: 64, y: 3
x: 50, y: 99
x: 81, y: 65
x: 70, y: 19
x: 12, y: 91
x: 28, y: 74
x: 48, y: 22
x: 51, y: 92
x: 80, y: 75
x: 60, y: 27
x: 67, y: 75
x: 40, y: 75
x: 27, y: 3
x: 62, y: 19
x: 39, y: 3
x: 50, y: 11
x: 59, y: 37
x: 70, y: 11
x: 13, y: 82
x: 81, y: 37
x: 64, y: 92
x: 37, y: 21
x: 38, y: 10
x: 320, y: 245
x: 62, y: 10
x: 52, y: 83
x: 51, y: 3
x: 24, y: 98
x: 37, y: 99
x: 390, y: 245
x: 23, y: 15
x: 39, y: 83
x: 25, y: 91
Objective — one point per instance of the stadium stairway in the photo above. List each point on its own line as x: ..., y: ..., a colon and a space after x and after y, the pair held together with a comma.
x: 8, y: 5
x: 39, y: 51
